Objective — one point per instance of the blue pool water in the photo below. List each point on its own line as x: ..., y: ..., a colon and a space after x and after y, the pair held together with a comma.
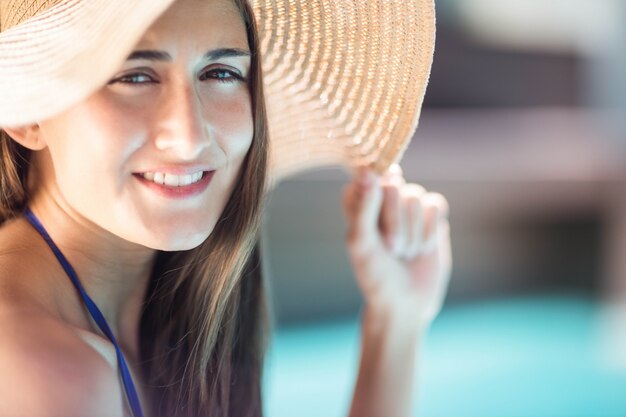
x: 526, y: 357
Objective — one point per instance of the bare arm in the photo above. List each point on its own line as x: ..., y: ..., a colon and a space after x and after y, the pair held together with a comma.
x: 389, y: 351
x: 399, y: 246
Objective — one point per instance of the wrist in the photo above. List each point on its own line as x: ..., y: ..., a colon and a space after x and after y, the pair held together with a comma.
x: 395, y: 317
x: 393, y: 323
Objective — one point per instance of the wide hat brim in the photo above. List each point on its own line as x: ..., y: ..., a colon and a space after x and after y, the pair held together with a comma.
x: 344, y: 80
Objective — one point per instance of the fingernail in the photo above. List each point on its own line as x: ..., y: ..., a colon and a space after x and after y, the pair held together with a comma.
x: 395, y: 169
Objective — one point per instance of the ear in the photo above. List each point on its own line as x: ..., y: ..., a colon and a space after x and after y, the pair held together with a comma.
x: 27, y: 136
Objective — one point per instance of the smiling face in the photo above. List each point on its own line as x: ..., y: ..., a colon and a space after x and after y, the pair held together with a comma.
x: 153, y: 156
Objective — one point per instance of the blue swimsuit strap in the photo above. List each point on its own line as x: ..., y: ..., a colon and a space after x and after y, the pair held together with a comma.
x: 93, y: 310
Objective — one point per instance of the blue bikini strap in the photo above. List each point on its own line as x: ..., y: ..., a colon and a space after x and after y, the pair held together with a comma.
x: 129, y: 387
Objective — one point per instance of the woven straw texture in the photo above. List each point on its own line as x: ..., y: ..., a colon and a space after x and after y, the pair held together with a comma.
x: 344, y: 79
x: 65, y: 52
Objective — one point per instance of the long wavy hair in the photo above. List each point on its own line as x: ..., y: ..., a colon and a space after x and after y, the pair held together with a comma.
x: 205, y: 315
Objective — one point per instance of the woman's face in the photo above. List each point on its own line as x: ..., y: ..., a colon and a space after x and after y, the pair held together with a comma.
x: 129, y: 158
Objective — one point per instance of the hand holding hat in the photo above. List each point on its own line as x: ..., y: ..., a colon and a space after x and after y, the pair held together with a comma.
x: 399, y: 243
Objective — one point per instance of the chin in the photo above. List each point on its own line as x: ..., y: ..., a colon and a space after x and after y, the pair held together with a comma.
x: 173, y: 242
x: 182, y: 244
x: 174, y: 236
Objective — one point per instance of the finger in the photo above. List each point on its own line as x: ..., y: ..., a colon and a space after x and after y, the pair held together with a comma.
x: 444, y: 258
x: 392, y: 217
x: 393, y: 175
x: 435, y: 213
x: 412, y: 196
x: 362, y: 202
x: 444, y: 246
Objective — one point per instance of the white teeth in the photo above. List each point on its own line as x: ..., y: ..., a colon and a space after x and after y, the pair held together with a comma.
x: 172, y: 180
x: 185, y: 180
x: 158, y: 177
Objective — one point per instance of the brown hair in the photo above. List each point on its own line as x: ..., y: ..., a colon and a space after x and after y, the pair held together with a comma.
x: 13, y: 170
x: 204, y: 319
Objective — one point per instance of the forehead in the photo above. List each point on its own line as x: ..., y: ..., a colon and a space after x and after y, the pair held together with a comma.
x: 198, y: 23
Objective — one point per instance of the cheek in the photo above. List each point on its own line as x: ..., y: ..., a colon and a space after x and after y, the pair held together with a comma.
x: 233, y: 125
x: 90, y: 146
x: 89, y: 142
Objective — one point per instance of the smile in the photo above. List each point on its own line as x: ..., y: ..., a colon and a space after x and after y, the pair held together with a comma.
x: 173, y: 180
x: 174, y: 186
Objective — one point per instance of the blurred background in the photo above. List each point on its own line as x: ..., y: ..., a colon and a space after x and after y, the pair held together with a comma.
x: 524, y: 132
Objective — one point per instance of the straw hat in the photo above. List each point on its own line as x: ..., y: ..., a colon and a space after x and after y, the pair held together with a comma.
x: 344, y: 79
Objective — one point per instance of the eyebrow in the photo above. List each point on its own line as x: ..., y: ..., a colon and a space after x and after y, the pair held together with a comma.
x: 153, y: 55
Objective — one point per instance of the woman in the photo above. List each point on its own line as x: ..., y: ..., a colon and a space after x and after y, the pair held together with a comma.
x: 146, y: 193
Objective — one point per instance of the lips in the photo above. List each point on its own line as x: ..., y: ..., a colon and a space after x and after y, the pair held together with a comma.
x: 175, y: 186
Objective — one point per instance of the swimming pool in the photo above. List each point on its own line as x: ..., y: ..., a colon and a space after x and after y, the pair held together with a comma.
x: 526, y: 357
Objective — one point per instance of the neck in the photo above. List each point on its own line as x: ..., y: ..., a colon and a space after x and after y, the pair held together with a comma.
x: 113, y: 272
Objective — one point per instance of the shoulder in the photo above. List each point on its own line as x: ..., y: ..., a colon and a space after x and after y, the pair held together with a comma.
x: 44, y: 360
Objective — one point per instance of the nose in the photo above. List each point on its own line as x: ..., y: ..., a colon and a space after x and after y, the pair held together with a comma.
x: 184, y: 133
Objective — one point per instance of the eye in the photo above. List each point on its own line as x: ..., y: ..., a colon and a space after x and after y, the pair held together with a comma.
x: 222, y: 75
x: 134, y: 78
